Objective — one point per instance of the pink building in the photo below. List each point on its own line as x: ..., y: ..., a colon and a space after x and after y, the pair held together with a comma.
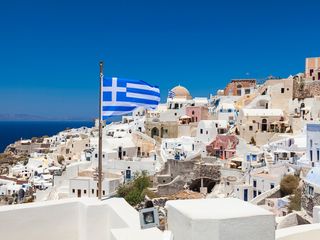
x: 224, y: 146
x: 313, y: 68
x: 197, y: 113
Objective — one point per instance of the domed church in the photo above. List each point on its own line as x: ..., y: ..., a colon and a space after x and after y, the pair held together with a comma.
x: 180, y: 92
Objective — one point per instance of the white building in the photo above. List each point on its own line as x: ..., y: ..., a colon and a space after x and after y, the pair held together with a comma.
x: 313, y: 144
x: 83, y: 186
x: 114, y: 219
x: 208, y: 129
x: 180, y: 148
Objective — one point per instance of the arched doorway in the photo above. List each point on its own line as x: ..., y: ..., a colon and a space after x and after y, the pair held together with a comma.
x: 264, y: 125
x: 154, y: 132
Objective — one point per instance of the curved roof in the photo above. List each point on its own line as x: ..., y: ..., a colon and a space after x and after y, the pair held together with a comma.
x: 313, y: 176
x: 181, y: 92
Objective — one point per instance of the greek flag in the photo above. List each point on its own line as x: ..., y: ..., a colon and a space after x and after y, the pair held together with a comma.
x: 121, y: 96
x: 171, y: 94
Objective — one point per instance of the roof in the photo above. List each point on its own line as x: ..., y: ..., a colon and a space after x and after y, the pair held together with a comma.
x: 114, y: 143
x: 226, y: 105
x: 211, y: 123
x: 313, y: 176
x: 218, y: 208
x: 181, y: 92
x: 261, y: 112
x: 244, y: 80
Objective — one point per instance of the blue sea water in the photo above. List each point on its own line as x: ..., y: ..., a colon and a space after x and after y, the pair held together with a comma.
x: 10, y: 131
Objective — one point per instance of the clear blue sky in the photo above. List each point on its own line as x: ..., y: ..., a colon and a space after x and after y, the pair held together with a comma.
x: 50, y: 50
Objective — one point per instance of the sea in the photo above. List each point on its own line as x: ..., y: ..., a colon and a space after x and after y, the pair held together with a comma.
x: 11, y: 131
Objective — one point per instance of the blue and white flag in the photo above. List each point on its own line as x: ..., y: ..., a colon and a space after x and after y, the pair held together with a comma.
x: 171, y: 94
x: 121, y: 96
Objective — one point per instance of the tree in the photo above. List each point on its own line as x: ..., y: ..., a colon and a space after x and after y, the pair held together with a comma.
x: 289, y: 184
x: 135, y: 191
x: 295, y: 200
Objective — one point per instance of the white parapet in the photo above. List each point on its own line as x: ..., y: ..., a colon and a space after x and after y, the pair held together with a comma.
x: 316, y: 214
x: 219, y: 219
x: 72, y: 219
x: 301, y: 232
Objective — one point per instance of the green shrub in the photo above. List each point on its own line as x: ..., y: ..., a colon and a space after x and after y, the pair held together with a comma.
x: 135, y: 191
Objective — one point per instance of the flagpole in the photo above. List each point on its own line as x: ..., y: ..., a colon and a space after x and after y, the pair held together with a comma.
x: 100, y: 134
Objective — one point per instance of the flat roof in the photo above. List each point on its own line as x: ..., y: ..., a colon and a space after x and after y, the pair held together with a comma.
x: 218, y: 208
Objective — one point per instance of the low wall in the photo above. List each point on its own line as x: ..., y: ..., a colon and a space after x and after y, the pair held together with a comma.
x: 308, y: 232
x: 72, y: 219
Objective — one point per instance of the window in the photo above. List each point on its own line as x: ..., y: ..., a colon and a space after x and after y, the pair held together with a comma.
x: 250, y: 128
x: 201, y: 131
x: 254, y: 183
x: 103, y: 192
x: 96, y: 155
x: 318, y: 154
x: 207, y: 132
x: 192, y: 112
x: 254, y: 193
x: 73, y: 190
x: 85, y: 191
x: 271, y: 185
x: 259, y: 192
x: 282, y: 90
x: 239, y: 89
x: 310, y: 190
x: 247, y: 91
x: 311, y: 143
x: 311, y: 72
x: 92, y: 191
x: 311, y: 155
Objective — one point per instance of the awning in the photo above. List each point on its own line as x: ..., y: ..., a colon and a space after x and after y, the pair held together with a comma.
x: 185, y: 117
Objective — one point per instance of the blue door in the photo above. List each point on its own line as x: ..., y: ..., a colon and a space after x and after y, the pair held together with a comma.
x: 245, y: 195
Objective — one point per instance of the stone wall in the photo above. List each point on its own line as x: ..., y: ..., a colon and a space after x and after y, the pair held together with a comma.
x: 182, y: 174
x: 171, y: 188
x: 158, y: 130
x: 232, y: 87
x: 308, y: 202
x: 207, y: 171
x: 305, y: 89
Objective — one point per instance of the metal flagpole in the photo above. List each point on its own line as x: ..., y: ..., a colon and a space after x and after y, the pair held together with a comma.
x: 100, y: 134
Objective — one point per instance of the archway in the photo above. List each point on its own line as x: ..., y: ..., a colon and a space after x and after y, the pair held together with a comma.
x: 207, y: 182
x: 264, y: 125
x: 154, y: 132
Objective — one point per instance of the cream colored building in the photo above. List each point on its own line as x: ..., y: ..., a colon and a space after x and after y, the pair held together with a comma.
x: 261, y: 124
